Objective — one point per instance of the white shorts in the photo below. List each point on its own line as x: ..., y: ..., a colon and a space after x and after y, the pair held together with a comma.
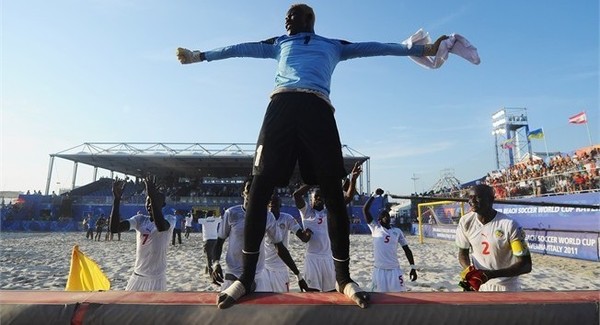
x: 319, y: 272
x: 280, y: 280
x: 146, y: 283
x: 387, y: 280
x: 261, y: 279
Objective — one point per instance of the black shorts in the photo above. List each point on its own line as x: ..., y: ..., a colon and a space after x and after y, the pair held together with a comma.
x: 299, y: 128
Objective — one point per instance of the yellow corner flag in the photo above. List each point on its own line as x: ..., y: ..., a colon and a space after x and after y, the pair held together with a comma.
x: 85, y: 274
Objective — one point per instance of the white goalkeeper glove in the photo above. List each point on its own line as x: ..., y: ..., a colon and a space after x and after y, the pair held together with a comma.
x: 186, y: 56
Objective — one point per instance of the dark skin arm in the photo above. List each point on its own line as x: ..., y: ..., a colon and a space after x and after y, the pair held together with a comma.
x: 115, y: 223
x: 349, y: 194
x: 217, y: 274
x: 366, y: 209
x: 285, y: 256
x: 411, y: 261
x: 299, y: 196
x: 157, y: 201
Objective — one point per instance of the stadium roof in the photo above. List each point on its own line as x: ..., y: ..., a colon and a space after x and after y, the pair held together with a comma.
x: 191, y: 160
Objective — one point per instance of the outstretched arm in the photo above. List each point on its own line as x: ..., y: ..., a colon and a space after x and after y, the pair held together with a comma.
x: 115, y: 223
x: 261, y: 50
x: 368, y: 49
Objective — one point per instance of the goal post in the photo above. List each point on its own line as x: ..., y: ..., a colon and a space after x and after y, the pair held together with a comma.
x: 438, y: 213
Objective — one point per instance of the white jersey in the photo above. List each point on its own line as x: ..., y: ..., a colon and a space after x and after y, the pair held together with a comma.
x: 188, y: 221
x: 491, y: 244
x: 284, y: 224
x: 385, y: 245
x: 232, y: 227
x: 319, y: 243
x: 151, y: 246
x: 210, y: 226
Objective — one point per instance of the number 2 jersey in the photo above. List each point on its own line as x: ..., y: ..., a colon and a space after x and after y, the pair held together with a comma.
x: 494, y: 245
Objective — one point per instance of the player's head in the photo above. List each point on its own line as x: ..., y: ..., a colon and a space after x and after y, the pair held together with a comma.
x: 300, y: 18
x: 379, y: 191
x: 316, y: 200
x: 275, y: 204
x: 384, y: 219
x: 481, y: 198
x: 246, y: 191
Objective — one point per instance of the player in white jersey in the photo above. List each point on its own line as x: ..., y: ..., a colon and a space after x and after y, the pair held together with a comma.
x: 387, y: 273
x: 498, y: 250
x: 210, y: 226
x: 319, y: 270
x: 153, y: 234
x: 232, y: 227
x: 277, y: 271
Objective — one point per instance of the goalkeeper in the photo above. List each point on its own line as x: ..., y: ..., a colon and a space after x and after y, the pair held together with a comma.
x: 499, y: 253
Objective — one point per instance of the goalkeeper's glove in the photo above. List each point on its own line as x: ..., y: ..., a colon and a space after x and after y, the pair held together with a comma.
x: 217, y: 273
x: 472, y: 278
x: 186, y: 56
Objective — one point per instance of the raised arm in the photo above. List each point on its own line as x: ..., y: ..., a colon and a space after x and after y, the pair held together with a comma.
x: 115, y: 223
x: 366, y: 209
x: 157, y: 202
x: 299, y: 196
x: 351, y: 190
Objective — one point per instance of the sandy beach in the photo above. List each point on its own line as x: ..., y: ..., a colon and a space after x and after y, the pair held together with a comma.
x: 40, y: 261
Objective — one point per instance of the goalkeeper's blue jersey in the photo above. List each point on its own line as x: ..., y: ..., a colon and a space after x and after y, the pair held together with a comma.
x: 306, y: 61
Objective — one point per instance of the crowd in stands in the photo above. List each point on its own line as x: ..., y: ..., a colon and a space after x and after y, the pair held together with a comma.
x: 563, y: 174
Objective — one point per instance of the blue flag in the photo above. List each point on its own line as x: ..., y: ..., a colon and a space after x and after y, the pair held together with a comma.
x: 536, y: 134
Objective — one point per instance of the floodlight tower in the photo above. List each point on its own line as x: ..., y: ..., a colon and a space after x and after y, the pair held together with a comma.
x: 510, y: 129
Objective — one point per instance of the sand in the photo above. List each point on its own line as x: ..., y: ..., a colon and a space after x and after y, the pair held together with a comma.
x: 40, y: 261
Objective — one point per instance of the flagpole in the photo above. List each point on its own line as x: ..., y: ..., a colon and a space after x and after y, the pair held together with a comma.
x: 587, y: 125
x: 546, y: 145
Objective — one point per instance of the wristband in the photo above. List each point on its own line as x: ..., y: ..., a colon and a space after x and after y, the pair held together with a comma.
x: 413, y: 267
x: 299, y: 276
x: 196, y: 56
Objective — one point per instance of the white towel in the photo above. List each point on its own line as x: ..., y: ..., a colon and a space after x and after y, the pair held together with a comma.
x: 455, y: 43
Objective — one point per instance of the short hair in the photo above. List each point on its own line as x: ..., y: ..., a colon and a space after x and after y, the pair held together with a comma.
x: 308, y: 12
x: 485, y: 190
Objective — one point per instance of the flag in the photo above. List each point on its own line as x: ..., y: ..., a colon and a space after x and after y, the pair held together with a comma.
x: 85, y: 274
x: 580, y: 118
x: 536, y: 134
x: 508, y: 144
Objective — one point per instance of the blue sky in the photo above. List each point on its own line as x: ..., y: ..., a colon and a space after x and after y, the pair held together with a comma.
x: 106, y: 71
